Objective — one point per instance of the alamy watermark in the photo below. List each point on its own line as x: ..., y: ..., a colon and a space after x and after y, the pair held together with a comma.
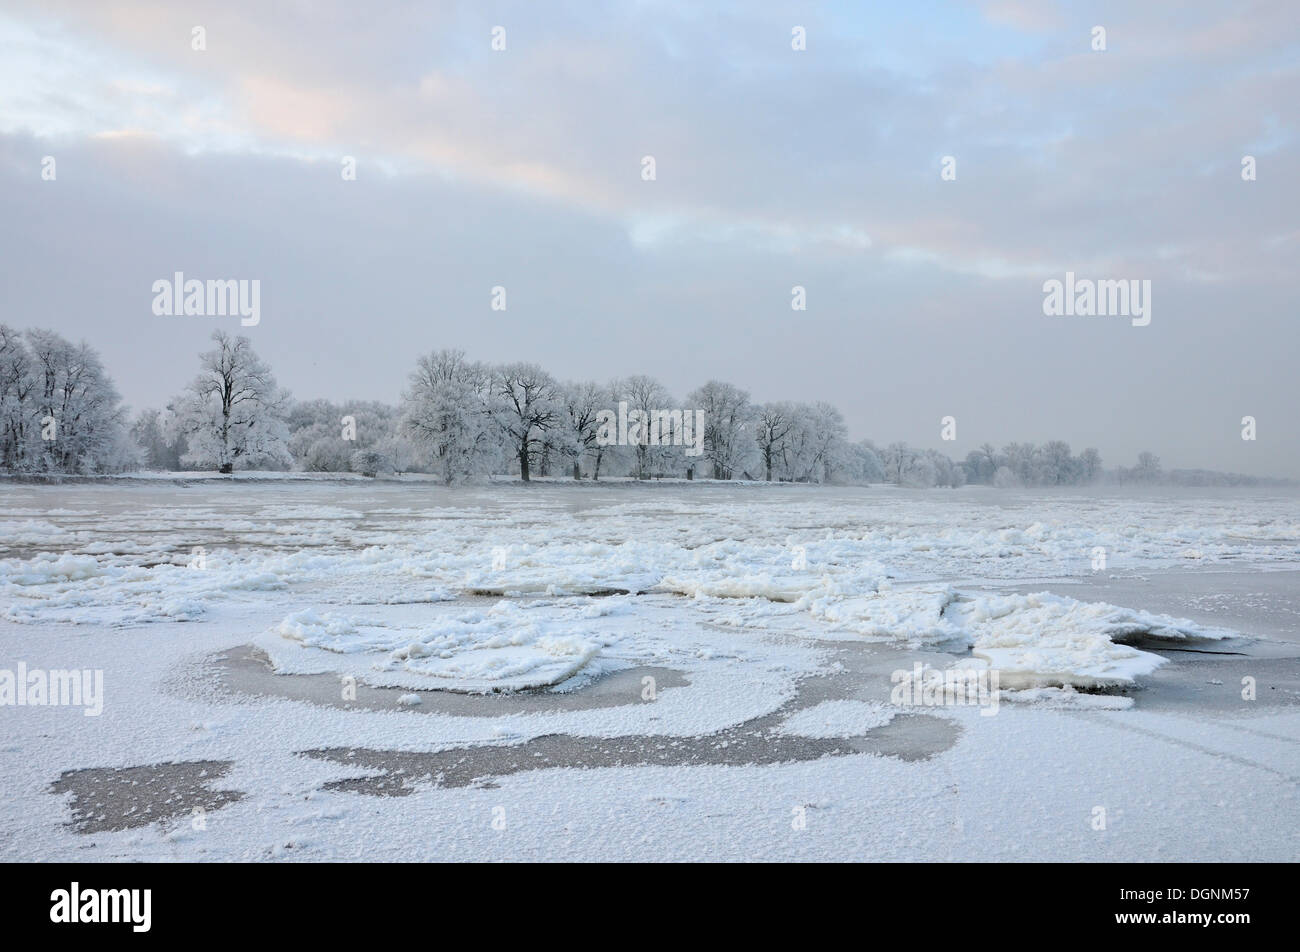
x: 924, y: 686
x: 637, y: 427
x: 74, y: 904
x: 1105, y: 298
x: 211, y: 298
x: 56, y: 687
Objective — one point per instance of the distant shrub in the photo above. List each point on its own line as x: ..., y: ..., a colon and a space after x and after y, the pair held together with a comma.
x: 371, y: 463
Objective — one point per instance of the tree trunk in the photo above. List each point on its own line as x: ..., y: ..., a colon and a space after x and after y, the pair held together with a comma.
x: 577, y: 470
x: 523, y: 464
x: 226, y: 469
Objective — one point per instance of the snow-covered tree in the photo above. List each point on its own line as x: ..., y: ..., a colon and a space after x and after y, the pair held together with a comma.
x: 315, y: 437
x: 324, y: 437
x: 1089, y: 465
x: 1148, y: 467
x: 645, y: 398
x: 524, y: 403
x: 895, y: 458
x: 18, y: 426
x: 1057, y: 465
x: 59, y: 411
x: 233, y: 413
x: 582, y: 403
x: 917, y: 469
x: 1023, y: 460
x: 446, y: 411
x: 772, y: 425
x: 160, y: 451
x: 613, y: 457
x: 863, y: 464
x: 981, y: 463
x: 825, y: 440
x: 74, y: 390
x: 1006, y: 478
x: 729, y: 444
x: 946, y: 472
x: 370, y: 463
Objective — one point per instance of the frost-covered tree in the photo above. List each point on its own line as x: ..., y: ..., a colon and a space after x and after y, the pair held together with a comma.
x: 772, y: 425
x: 371, y: 463
x: 316, y: 437
x: 1148, y: 467
x: 74, y: 390
x: 729, y: 445
x: 650, y: 440
x: 795, y: 463
x: 233, y: 413
x: 862, y: 464
x: 825, y: 440
x: 601, y: 453
x: 582, y: 404
x: 917, y: 469
x: 800, y: 442
x: 895, y: 458
x: 446, y: 411
x: 160, y: 451
x: 946, y: 472
x: 18, y: 426
x: 1022, y: 460
x: 524, y: 403
x: 1089, y: 465
x: 981, y: 463
x: 1006, y: 478
x: 1056, y: 464
x: 324, y: 437
x: 59, y: 410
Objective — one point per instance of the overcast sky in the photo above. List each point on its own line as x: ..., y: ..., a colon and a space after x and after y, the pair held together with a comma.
x: 775, y: 167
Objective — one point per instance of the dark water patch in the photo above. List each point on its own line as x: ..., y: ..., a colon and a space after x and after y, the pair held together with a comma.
x: 909, y: 737
x: 106, y: 799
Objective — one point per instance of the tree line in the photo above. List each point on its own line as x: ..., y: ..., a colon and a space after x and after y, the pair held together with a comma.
x: 460, y: 419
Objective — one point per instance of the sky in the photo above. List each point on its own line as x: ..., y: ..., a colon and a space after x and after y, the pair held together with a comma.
x: 774, y: 168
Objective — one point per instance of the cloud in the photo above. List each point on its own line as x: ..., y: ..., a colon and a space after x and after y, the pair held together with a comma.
x: 775, y: 168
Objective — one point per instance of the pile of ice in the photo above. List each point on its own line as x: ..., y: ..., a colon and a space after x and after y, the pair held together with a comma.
x: 1032, y: 640
x: 98, y: 590
x: 501, y: 648
x: 753, y: 564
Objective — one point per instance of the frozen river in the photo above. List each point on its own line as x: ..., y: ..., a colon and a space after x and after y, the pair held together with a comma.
x: 318, y: 668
